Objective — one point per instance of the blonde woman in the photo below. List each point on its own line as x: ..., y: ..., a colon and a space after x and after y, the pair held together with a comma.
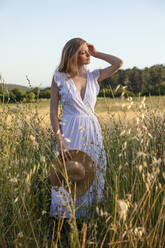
x: 79, y: 129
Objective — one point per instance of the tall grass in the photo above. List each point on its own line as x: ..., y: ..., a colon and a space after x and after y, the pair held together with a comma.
x: 132, y: 213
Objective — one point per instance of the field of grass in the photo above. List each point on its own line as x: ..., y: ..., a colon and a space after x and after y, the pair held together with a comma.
x: 133, y: 211
x: 106, y: 109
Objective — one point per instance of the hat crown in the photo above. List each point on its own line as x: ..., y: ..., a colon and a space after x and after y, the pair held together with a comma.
x: 80, y: 170
x: 75, y: 170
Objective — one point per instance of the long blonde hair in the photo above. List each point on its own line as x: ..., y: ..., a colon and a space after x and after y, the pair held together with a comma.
x: 69, y: 58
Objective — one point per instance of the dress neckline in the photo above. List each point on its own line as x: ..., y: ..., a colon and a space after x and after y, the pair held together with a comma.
x: 76, y: 87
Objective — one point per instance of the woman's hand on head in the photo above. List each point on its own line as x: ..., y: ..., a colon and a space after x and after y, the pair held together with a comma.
x: 92, y: 49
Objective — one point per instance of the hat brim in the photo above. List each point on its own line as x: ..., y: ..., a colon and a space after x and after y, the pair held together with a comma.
x: 58, y: 174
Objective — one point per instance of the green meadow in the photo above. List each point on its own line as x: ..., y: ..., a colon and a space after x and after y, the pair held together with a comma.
x: 132, y: 213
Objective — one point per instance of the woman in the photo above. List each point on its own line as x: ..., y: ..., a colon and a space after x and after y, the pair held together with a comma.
x: 79, y: 127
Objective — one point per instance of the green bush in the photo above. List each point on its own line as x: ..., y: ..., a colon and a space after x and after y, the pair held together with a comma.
x: 30, y: 97
x: 36, y: 91
x: 45, y: 93
x: 12, y: 97
x: 18, y: 94
x: 158, y: 90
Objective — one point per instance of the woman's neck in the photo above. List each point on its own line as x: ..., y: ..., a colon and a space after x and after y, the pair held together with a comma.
x: 81, y: 71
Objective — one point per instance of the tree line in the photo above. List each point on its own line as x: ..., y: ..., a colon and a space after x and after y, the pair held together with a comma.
x: 147, y: 81
x: 20, y: 95
x: 135, y: 81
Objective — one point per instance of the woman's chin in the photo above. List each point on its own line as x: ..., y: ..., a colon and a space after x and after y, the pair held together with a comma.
x: 86, y: 63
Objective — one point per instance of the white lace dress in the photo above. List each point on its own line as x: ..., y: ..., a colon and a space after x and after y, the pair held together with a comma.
x: 82, y: 131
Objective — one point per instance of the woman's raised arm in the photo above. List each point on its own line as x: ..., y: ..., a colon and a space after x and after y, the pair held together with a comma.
x: 115, y: 62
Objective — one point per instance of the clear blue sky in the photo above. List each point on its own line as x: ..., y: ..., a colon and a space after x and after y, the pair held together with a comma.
x: 33, y: 33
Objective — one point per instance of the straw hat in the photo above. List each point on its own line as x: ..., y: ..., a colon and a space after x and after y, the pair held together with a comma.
x: 80, y: 170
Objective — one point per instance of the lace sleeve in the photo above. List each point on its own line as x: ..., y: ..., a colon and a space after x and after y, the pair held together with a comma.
x: 96, y: 74
x: 57, y: 78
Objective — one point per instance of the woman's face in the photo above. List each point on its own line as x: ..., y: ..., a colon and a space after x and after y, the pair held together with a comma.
x: 83, y: 55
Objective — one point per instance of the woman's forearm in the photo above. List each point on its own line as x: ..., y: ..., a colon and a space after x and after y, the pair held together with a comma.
x: 56, y: 127
x: 109, y: 58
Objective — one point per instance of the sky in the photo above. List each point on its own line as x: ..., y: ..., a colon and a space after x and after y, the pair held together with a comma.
x: 34, y: 32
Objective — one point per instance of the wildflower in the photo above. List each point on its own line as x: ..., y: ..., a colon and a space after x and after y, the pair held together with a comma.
x: 122, y: 207
x: 129, y: 99
x: 113, y: 227
x: 33, y: 139
x: 157, y: 161
x: 129, y: 106
x: 99, y: 211
x: 126, y: 233
x: 141, y: 154
x: 139, y: 231
x: 43, y: 212
x: 144, y: 98
x: 129, y: 197
x: 124, y: 145
x: 28, y: 178
x: 122, y: 133
x: 129, y: 131
x: 20, y: 235
x: 14, y: 180
x: 137, y: 120
x: 67, y: 139
x: 140, y: 167
x: 58, y: 131
x: 117, y: 87
x: 81, y: 128
x: 42, y: 159
x: 150, y: 135
x: 123, y: 106
x: 61, y: 123
x: 16, y: 199
x: 144, y: 164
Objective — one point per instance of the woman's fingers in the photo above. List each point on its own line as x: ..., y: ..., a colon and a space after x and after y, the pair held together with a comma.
x: 89, y: 44
x: 66, y: 154
x: 91, y: 49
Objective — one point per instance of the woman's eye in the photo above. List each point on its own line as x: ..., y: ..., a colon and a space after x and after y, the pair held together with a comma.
x: 83, y: 52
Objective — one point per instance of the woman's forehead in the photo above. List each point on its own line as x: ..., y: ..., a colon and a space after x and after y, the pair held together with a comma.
x: 84, y: 47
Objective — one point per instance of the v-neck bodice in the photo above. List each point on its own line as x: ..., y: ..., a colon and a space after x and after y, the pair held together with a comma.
x: 71, y: 100
x: 85, y: 87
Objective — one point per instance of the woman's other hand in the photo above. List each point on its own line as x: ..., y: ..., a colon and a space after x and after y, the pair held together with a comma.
x: 63, y: 149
